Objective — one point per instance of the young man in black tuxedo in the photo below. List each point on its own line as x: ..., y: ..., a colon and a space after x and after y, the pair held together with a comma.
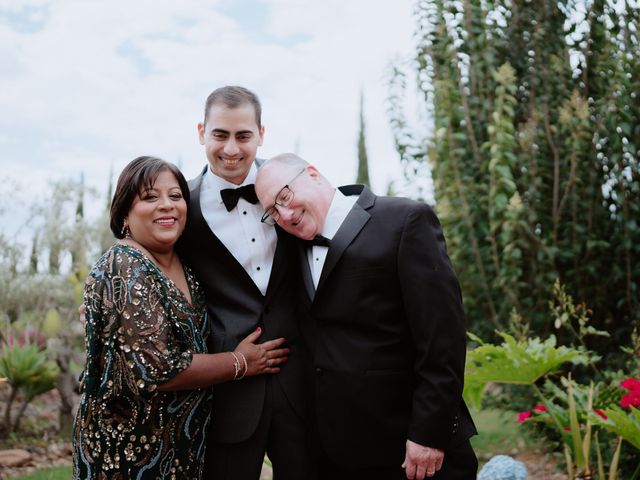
x: 384, y: 327
x: 248, y: 271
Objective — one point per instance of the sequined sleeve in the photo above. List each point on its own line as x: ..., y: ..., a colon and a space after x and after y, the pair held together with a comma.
x: 129, y: 312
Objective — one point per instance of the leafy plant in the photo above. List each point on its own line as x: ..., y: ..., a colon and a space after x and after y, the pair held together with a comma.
x: 577, y: 414
x: 514, y: 361
x: 624, y: 423
x: 28, y: 371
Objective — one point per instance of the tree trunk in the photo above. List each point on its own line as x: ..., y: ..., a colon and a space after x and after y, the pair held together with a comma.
x: 67, y: 385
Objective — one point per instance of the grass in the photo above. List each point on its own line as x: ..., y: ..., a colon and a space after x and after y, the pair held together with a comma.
x: 54, y: 473
x: 64, y: 473
x: 499, y: 433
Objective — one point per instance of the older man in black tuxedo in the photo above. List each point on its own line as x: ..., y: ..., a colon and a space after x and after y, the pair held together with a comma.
x: 385, y: 327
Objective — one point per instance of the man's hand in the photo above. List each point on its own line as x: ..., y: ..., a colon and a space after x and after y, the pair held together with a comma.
x: 421, y: 462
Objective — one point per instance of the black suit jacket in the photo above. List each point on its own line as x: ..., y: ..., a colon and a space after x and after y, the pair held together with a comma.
x: 236, y: 308
x: 386, y: 332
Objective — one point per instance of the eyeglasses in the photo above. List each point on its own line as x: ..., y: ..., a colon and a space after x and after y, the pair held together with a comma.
x: 283, y: 199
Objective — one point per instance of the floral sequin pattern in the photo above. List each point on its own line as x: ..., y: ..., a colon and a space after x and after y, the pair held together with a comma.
x: 141, y: 331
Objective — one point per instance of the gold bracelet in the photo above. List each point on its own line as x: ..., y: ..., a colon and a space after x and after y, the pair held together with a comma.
x: 236, y: 366
x: 246, y: 367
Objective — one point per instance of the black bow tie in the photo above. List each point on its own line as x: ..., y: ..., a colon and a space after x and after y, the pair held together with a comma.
x: 318, y: 241
x: 230, y: 196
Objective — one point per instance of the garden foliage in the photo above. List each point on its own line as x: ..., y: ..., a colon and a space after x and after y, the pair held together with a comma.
x: 534, y: 151
x: 28, y: 372
x: 587, y: 418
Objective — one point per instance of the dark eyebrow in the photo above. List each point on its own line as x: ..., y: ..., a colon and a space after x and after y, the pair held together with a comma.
x: 227, y: 132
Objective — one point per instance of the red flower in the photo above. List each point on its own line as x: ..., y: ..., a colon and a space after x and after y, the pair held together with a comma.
x: 540, y: 408
x: 522, y: 416
x: 568, y: 429
x: 601, y: 413
x: 631, y: 384
x: 630, y: 400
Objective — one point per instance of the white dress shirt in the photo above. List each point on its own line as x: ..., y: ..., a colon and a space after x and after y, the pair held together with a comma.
x: 340, y: 207
x: 250, y: 241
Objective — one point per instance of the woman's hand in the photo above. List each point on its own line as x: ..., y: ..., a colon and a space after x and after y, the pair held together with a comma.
x: 264, y: 357
x: 207, y: 369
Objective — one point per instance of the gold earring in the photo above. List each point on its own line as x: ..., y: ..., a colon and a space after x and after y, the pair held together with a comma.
x: 126, y: 231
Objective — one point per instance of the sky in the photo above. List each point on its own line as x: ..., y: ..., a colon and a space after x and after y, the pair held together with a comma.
x: 88, y: 85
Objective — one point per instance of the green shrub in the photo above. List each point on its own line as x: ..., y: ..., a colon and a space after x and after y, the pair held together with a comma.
x: 27, y: 371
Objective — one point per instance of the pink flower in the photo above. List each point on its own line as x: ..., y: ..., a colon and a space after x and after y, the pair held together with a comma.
x: 522, y: 416
x: 540, y: 408
x: 30, y: 336
x: 601, y: 413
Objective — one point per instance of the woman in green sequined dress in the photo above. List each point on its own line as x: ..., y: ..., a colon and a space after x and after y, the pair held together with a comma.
x: 145, y: 404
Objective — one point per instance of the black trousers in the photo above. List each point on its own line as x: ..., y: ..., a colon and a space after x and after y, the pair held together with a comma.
x: 460, y: 463
x: 281, y: 434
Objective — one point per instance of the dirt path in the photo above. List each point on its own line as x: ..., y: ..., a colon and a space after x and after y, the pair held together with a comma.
x: 540, y: 466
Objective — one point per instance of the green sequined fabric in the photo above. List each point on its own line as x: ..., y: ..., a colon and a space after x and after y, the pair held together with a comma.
x: 140, y: 332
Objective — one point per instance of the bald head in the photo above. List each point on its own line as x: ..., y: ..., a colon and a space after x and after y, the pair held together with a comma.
x: 286, y: 160
x: 296, y: 194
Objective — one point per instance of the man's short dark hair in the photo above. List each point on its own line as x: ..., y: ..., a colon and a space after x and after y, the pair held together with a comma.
x: 233, y: 97
x: 139, y: 175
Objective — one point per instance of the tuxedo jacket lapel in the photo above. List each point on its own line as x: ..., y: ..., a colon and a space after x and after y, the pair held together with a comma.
x: 350, y: 228
x: 284, y: 245
x: 201, y: 227
x: 307, y: 278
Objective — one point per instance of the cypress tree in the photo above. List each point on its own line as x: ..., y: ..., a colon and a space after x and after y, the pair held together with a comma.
x: 33, y: 258
x: 363, y: 161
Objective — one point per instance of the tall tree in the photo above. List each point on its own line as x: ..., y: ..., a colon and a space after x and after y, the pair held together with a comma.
x: 79, y: 240
x: 103, y: 230
x: 363, y: 161
x: 33, y: 258
x: 534, y: 152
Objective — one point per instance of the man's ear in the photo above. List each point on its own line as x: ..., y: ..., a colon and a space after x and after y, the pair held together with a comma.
x: 261, y: 135
x: 201, y: 132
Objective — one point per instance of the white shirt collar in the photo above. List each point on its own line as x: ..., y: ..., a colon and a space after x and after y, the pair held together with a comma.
x: 340, y: 207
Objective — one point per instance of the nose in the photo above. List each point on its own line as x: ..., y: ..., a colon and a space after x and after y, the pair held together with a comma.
x: 286, y: 213
x: 165, y: 202
x: 231, y: 147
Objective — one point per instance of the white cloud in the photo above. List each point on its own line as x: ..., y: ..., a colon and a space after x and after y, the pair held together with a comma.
x: 99, y: 83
